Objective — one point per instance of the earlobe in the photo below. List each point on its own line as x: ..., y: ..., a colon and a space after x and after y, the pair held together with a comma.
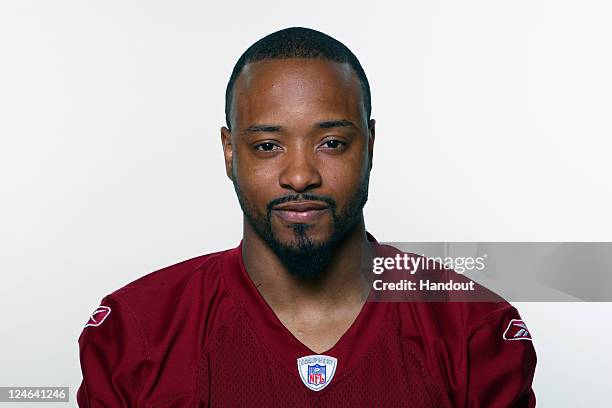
x: 226, y: 142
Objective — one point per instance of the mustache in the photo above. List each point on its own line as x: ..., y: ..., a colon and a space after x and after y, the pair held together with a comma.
x: 302, y: 197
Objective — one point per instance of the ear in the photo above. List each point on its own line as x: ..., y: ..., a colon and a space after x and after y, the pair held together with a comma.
x: 371, y: 137
x: 228, y: 151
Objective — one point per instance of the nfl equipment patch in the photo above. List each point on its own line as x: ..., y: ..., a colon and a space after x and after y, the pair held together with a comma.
x: 317, y: 371
x: 517, y: 330
x: 98, y: 316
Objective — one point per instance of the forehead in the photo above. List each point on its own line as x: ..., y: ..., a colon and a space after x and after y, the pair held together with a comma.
x: 281, y: 90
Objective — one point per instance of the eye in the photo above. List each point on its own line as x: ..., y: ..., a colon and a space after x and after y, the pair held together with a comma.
x: 334, y: 144
x: 266, y: 147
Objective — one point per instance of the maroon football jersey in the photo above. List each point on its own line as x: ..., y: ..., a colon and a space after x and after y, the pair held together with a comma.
x: 199, y: 334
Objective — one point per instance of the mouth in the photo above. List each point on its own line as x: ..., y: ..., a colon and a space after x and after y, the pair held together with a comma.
x: 300, y: 212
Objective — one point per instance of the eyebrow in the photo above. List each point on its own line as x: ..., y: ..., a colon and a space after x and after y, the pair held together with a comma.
x: 263, y: 128
x: 335, y: 123
x: 328, y: 124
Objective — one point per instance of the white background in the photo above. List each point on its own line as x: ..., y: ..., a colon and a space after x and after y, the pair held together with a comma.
x: 493, y: 124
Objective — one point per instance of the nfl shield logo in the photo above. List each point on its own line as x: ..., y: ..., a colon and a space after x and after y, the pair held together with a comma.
x: 316, y: 374
x: 317, y: 371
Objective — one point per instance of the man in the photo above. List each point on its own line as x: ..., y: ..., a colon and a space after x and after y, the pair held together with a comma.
x: 284, y: 318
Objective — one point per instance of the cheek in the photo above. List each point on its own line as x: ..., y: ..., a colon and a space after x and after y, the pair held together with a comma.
x: 343, y: 179
x: 256, y: 182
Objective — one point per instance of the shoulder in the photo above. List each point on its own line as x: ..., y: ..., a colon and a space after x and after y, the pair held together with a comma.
x: 182, y: 292
x: 454, y: 321
x: 434, y: 295
x: 471, y: 347
x: 153, y: 325
x: 198, y: 278
x: 171, y: 280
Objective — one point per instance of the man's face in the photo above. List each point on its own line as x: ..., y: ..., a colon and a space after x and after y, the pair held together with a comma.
x: 299, y: 155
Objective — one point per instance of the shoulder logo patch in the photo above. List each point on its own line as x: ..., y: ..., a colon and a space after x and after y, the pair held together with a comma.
x: 317, y: 371
x: 98, y: 316
x: 517, y: 330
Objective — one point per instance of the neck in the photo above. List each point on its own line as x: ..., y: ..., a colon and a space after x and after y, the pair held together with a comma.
x: 342, y: 282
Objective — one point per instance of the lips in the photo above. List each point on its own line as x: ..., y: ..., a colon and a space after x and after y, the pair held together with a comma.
x: 300, y: 206
x: 302, y: 212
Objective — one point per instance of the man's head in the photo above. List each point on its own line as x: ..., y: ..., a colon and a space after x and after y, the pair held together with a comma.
x: 302, y: 43
x: 298, y: 144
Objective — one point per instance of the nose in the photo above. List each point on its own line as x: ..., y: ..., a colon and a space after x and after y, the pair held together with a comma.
x: 300, y: 172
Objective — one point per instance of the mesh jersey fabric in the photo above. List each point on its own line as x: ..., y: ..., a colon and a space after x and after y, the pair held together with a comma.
x: 391, y: 374
x: 198, y: 334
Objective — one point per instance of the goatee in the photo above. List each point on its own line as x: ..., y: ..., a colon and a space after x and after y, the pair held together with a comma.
x: 304, y: 258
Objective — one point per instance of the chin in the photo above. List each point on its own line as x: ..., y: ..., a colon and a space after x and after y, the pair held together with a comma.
x: 303, y: 234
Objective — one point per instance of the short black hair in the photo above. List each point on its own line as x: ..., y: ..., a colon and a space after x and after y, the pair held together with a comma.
x: 298, y: 42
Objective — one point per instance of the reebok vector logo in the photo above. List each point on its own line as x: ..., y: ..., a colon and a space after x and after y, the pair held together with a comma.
x: 517, y: 330
x: 98, y: 316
